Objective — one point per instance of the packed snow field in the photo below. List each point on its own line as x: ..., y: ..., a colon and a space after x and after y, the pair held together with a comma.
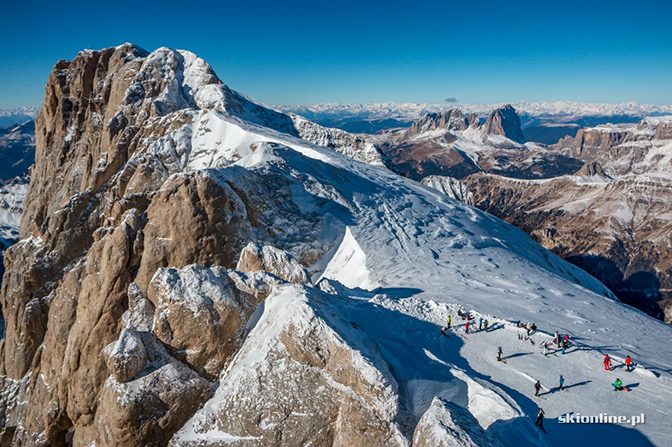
x: 410, y: 256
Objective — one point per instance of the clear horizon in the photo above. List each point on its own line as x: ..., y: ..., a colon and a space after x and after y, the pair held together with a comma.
x: 298, y: 53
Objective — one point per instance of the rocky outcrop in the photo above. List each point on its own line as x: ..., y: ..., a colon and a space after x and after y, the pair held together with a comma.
x: 452, y: 119
x: 337, y: 395
x: 590, y: 143
x: 446, y: 424
x: 255, y: 257
x: 200, y: 315
x: 504, y: 121
x: 592, y: 169
x: 127, y: 356
x: 451, y: 187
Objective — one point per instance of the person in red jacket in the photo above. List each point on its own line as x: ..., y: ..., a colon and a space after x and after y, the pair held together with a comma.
x: 466, y: 327
x: 628, y: 362
x: 607, y: 363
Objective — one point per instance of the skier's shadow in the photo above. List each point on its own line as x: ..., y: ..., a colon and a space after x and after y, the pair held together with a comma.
x: 518, y: 354
x: 585, y: 382
x: 632, y: 385
x: 555, y: 390
x: 495, y: 327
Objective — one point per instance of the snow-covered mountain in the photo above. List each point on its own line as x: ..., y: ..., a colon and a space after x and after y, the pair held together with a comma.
x: 559, y: 111
x: 191, y: 272
x: 18, y: 115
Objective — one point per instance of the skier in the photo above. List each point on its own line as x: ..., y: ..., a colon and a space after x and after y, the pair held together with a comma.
x: 566, y: 338
x: 466, y: 327
x: 537, y: 387
x: 448, y: 321
x: 618, y: 385
x: 628, y: 363
x: 499, y: 354
x: 485, y: 325
x: 540, y: 419
x: 557, y: 339
x: 480, y: 323
x: 562, y: 382
x: 544, y: 348
x: 565, y: 345
x: 607, y: 363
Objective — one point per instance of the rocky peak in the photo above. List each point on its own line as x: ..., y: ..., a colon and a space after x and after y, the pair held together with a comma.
x: 504, y: 121
x: 452, y: 119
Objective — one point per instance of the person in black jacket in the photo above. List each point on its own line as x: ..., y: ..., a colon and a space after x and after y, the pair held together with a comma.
x: 540, y: 418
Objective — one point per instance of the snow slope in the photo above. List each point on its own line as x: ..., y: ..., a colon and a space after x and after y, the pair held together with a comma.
x: 423, y: 255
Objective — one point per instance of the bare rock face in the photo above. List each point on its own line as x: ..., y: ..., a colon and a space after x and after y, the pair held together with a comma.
x: 446, y: 424
x: 504, y: 121
x: 589, y: 143
x: 451, y: 187
x: 255, y: 258
x: 193, y: 210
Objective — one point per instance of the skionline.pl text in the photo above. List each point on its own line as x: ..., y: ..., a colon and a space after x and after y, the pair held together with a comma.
x: 602, y: 418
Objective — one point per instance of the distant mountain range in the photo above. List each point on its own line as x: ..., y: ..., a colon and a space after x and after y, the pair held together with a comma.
x: 17, y: 115
x: 370, y: 118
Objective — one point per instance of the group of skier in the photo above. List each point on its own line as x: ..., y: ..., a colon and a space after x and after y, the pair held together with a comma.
x: 562, y: 343
x: 466, y: 316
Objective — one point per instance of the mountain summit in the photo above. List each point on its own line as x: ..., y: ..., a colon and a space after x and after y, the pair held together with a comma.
x: 193, y: 271
x: 504, y: 121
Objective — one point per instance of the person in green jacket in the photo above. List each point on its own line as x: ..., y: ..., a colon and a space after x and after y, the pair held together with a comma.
x: 618, y: 385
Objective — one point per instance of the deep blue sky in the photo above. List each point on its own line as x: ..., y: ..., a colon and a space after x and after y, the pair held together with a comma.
x: 294, y: 52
